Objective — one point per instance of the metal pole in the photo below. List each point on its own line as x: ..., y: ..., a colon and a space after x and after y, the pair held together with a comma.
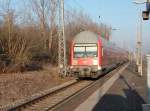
x: 141, y: 69
x: 62, y: 41
x: 59, y: 41
x: 139, y: 46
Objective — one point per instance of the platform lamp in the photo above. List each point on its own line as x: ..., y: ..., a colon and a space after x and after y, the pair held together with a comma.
x: 145, y: 14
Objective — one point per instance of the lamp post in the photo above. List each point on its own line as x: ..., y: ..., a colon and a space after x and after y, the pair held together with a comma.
x: 139, y: 44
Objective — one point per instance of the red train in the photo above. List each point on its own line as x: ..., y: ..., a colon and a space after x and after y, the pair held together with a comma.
x: 91, y: 55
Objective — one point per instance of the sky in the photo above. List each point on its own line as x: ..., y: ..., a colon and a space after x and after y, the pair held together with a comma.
x: 123, y: 15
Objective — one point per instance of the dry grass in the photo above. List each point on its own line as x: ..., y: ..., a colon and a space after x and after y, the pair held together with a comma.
x: 17, y: 86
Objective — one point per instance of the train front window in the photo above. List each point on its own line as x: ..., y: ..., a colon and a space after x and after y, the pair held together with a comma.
x: 79, y: 52
x: 91, y: 51
x: 86, y: 50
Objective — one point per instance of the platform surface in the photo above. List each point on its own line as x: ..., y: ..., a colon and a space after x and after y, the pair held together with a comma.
x: 128, y: 93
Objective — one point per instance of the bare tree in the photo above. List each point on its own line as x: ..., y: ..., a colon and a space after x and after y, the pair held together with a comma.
x: 8, y: 17
x: 46, y: 11
x: 41, y: 8
x: 53, y: 12
x: 14, y: 43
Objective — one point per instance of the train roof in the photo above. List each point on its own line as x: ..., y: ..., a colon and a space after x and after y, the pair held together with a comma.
x: 86, y: 37
x: 91, y: 37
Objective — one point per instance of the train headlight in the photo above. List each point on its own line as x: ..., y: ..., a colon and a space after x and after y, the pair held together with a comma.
x: 71, y: 67
x: 95, y: 62
x: 75, y: 62
x: 61, y: 66
x: 99, y: 67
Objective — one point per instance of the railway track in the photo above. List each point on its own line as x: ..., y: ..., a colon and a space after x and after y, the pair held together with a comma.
x: 48, y: 100
x: 55, y: 99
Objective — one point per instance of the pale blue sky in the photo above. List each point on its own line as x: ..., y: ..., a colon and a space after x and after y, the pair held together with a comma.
x: 120, y: 14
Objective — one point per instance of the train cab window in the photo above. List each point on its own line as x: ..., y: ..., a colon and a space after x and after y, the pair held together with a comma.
x: 79, y: 52
x: 91, y: 51
x: 85, y: 50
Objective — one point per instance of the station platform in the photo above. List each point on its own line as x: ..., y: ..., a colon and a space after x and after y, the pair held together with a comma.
x: 128, y: 93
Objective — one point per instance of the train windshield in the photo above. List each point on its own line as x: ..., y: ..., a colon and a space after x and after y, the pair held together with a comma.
x: 85, y: 50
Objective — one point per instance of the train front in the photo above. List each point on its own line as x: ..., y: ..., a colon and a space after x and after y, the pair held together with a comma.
x: 86, y: 55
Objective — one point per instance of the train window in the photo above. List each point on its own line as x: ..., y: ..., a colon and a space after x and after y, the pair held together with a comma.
x: 91, y: 51
x: 79, y: 52
x: 79, y: 49
x: 85, y: 50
